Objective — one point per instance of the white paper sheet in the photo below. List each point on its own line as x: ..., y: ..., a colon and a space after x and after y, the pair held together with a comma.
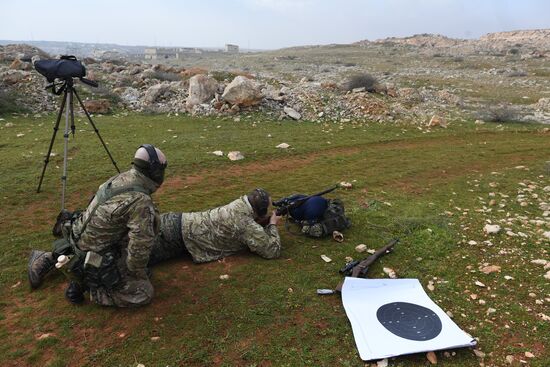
x: 363, y: 297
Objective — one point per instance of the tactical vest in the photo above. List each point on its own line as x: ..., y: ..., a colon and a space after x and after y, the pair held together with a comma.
x: 105, y: 264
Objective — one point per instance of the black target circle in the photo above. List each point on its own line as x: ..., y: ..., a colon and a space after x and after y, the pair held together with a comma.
x: 409, y: 321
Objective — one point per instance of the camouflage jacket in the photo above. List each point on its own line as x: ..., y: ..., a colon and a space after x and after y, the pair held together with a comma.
x: 127, y: 221
x: 223, y: 231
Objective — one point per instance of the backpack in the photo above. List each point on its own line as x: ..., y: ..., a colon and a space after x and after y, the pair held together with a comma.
x: 333, y: 219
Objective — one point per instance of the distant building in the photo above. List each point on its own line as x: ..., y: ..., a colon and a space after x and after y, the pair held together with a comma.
x: 233, y: 49
x: 159, y: 53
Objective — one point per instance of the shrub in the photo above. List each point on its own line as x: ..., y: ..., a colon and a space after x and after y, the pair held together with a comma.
x: 498, y: 114
x: 8, y: 102
x: 514, y: 51
x: 362, y: 80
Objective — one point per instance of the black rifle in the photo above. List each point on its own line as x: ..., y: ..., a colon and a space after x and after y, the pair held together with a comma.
x: 359, y: 269
x: 285, y: 204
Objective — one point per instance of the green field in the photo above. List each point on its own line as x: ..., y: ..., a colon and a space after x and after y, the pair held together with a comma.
x: 426, y: 187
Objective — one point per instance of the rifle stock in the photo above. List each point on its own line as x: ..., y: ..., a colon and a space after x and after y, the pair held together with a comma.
x: 362, y: 267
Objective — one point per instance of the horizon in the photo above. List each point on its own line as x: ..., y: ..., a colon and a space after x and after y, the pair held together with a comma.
x: 264, y: 24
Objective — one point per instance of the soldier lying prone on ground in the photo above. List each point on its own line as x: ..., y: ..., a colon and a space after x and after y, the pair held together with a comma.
x: 220, y: 232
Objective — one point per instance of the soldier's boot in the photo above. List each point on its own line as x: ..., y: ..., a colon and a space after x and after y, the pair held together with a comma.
x: 40, y: 264
x: 75, y: 293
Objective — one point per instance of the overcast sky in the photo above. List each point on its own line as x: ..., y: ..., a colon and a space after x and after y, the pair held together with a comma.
x: 261, y: 24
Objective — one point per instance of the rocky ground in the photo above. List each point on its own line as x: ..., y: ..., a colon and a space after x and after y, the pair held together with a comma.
x: 500, y: 77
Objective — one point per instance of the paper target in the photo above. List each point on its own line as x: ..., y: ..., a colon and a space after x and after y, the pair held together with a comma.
x: 409, y: 321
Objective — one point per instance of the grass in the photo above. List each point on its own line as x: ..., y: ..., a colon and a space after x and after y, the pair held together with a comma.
x: 407, y: 182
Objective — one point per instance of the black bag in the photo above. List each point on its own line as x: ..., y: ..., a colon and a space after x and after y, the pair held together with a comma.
x: 65, y: 68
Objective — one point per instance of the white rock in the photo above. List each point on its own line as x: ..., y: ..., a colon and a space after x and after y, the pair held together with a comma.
x: 218, y: 153
x: 510, y: 359
x: 479, y: 284
x: 547, y: 275
x: 529, y: 355
x: 346, y: 185
x: 235, y: 156
x: 507, y: 277
x: 9, y: 124
x: 472, y: 242
x: 292, y: 113
x: 224, y: 276
x: 491, y: 310
x: 491, y: 228
x: 546, y: 234
x: 539, y: 262
x: 390, y: 272
x: 326, y: 258
x: 431, y: 286
x: 382, y: 363
x: 282, y: 146
x: 361, y: 247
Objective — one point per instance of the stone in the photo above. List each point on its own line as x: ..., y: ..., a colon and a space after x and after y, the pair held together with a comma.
x: 491, y: 228
x: 282, y: 146
x: 529, y: 355
x: 437, y: 121
x: 539, y: 262
x: 430, y: 356
x: 478, y: 353
x: 242, y: 92
x: 12, y: 77
x: 157, y: 91
x: 97, y: 105
x: 202, y: 88
x: 224, y: 276
x: 346, y: 185
x: 218, y: 153
x: 326, y: 258
x: 479, y: 122
x: 479, y: 284
x: 292, y: 113
x: 490, y: 269
x: 130, y: 95
x: 235, y: 156
x: 382, y: 363
x: 509, y: 359
x: 390, y: 272
x: 361, y: 247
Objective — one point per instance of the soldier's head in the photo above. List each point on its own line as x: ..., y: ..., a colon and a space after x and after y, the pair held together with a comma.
x: 151, y: 162
x: 260, y: 200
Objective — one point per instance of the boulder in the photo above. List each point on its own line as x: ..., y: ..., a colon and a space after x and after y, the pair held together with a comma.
x: 130, y: 95
x: 156, y: 92
x: 235, y: 156
x: 202, y: 89
x: 11, y: 77
x: 97, y: 106
x: 292, y: 113
x: 242, y: 92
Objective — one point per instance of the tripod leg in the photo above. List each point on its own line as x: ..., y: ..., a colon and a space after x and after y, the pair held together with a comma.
x: 68, y: 112
x: 96, y: 130
x: 55, y: 128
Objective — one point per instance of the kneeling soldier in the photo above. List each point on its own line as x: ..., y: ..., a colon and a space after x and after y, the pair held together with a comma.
x: 106, y: 248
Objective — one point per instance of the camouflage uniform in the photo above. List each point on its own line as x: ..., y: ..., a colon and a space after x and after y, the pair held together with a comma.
x: 126, y: 224
x: 215, y: 234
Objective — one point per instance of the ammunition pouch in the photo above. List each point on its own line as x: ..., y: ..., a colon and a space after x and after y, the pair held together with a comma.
x: 101, y: 271
x: 88, y: 268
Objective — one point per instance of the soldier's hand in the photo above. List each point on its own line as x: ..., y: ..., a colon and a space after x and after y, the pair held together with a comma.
x: 274, y: 219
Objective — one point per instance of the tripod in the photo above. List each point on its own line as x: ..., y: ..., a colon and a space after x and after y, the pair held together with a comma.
x: 68, y: 90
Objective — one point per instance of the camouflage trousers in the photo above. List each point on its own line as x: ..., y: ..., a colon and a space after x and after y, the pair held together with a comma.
x: 169, y: 243
x: 132, y: 293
